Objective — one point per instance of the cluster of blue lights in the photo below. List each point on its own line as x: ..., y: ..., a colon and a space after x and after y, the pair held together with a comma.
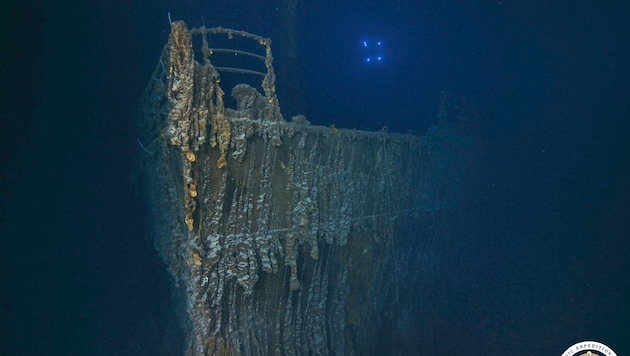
x: 372, y: 51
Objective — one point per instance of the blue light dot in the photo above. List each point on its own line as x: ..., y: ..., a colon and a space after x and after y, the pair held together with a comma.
x: 365, y: 43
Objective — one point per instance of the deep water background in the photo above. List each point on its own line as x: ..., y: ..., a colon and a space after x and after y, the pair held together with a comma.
x: 543, y: 262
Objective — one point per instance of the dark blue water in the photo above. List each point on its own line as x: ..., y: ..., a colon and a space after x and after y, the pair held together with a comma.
x: 544, y: 261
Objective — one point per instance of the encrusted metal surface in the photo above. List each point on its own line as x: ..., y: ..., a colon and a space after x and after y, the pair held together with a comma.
x: 282, y: 237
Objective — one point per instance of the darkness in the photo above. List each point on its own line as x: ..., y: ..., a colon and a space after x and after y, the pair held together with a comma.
x: 542, y: 263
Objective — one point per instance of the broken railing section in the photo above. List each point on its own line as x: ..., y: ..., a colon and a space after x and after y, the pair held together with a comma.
x: 195, y: 96
x: 282, y: 237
